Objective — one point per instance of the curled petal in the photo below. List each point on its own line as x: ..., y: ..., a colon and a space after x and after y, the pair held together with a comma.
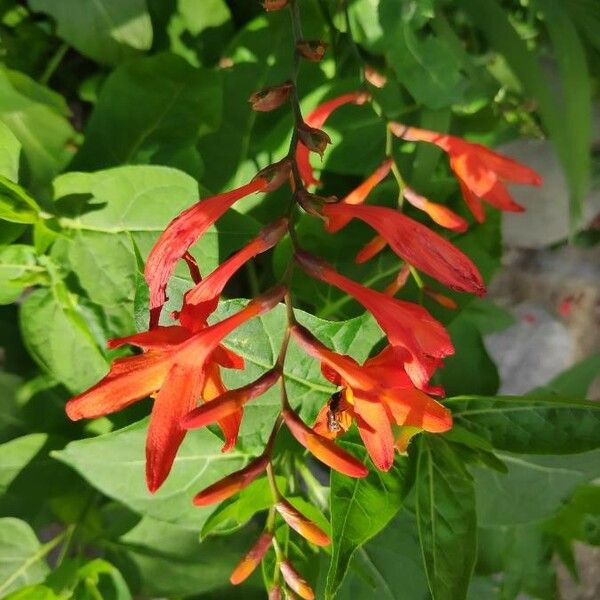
x: 246, y: 566
x: 370, y: 250
x: 298, y: 522
x: 201, y: 300
x: 441, y: 214
x: 229, y: 402
x: 230, y: 485
x: 417, y: 245
x: 295, y: 581
x: 271, y: 98
x: 322, y: 448
x: 181, y: 233
x: 415, y: 408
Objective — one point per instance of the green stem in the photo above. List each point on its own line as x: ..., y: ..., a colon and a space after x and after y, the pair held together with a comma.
x: 53, y: 63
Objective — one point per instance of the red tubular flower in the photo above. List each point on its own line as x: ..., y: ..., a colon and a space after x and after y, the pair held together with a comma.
x: 246, y: 566
x: 296, y: 581
x: 317, y: 119
x: 374, y: 395
x: 322, y: 448
x: 232, y: 484
x: 202, y: 299
x: 406, y: 325
x: 172, y: 365
x: 482, y: 174
x: 416, y: 244
x: 230, y: 402
x: 441, y: 214
x: 298, y: 522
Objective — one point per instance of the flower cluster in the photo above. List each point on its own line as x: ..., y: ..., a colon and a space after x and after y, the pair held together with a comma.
x: 388, y: 397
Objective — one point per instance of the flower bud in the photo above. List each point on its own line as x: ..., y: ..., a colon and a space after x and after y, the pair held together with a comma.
x: 275, y: 175
x: 275, y: 593
x: 246, y: 566
x: 370, y: 249
x: 270, y: 5
x: 230, y: 485
x: 441, y: 299
x: 314, y: 139
x: 298, y: 522
x: 270, y: 98
x: 312, y: 50
x: 296, y: 581
x: 374, y: 77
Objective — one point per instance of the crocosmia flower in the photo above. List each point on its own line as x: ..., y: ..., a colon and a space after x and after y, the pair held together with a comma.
x: 173, y: 370
x: 406, y: 325
x: 374, y: 395
x: 413, y: 242
x: 482, y: 174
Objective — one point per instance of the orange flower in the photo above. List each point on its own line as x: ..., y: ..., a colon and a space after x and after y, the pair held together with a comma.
x: 375, y: 395
x: 173, y: 369
x: 298, y: 522
x: 317, y: 119
x: 191, y: 224
x: 415, y: 243
x: 482, y: 174
x: 246, y: 566
x: 407, y: 325
x: 201, y: 300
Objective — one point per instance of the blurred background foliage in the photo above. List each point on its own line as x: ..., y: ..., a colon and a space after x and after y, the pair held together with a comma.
x: 117, y: 114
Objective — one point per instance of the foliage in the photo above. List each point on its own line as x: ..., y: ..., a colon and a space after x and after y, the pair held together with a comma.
x: 116, y: 116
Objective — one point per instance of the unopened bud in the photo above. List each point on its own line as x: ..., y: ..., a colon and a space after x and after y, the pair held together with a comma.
x: 314, y: 139
x: 298, y: 522
x: 374, y: 77
x: 270, y: 98
x: 275, y: 175
x: 296, y: 581
x: 312, y: 50
x: 275, y: 593
x: 246, y: 566
x: 270, y: 5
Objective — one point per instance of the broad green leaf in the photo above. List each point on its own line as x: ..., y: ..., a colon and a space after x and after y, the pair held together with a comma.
x: 360, y: 509
x: 19, y: 269
x: 388, y: 567
x: 16, y: 205
x: 534, y: 487
x: 573, y: 142
x: 21, y: 556
x: 114, y: 464
x: 38, y: 118
x: 10, y: 150
x: 107, y: 31
x: 59, y: 339
x: 152, y: 110
x: 25, y: 468
x: 165, y: 560
x: 446, y: 518
x: 531, y: 424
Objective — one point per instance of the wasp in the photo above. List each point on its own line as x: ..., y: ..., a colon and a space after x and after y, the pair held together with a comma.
x: 333, y: 413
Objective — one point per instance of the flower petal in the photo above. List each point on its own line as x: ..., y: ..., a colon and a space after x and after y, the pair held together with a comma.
x: 417, y: 245
x: 181, y: 233
x: 415, y: 408
x: 375, y: 430
x: 159, y: 338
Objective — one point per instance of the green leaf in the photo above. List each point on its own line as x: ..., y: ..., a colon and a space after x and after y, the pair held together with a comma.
x: 446, y: 518
x: 107, y: 31
x: 19, y: 269
x: 38, y: 118
x: 34, y: 592
x: 59, y: 339
x: 572, y: 143
x: 16, y: 205
x: 534, y: 487
x: 174, y: 104
x: 388, y: 567
x: 114, y: 464
x: 21, y: 556
x: 10, y: 150
x: 360, y: 509
x: 534, y: 425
